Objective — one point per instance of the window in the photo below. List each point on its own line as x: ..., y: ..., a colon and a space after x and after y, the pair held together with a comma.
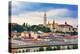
x: 23, y: 51
x: 34, y: 50
x: 27, y: 50
x: 19, y: 51
x: 69, y: 29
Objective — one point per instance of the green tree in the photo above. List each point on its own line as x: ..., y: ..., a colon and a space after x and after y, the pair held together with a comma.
x: 23, y: 25
x: 37, y: 28
x: 17, y: 27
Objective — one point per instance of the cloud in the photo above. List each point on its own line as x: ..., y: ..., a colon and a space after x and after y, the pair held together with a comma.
x: 23, y: 7
x: 30, y: 18
x: 37, y: 17
x: 57, y: 12
x: 61, y: 12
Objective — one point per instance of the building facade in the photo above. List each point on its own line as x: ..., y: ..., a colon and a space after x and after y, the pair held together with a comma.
x: 57, y: 27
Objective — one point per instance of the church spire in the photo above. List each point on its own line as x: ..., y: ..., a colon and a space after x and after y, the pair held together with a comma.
x: 48, y: 22
x: 65, y: 23
x: 45, y: 19
x: 53, y: 23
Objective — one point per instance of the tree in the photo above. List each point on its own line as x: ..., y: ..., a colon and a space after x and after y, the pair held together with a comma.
x: 17, y: 27
x: 34, y: 28
x: 26, y: 27
x: 23, y: 25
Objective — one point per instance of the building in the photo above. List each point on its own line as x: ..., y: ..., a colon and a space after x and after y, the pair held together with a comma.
x: 57, y: 27
x: 75, y: 29
x: 19, y: 46
x: 65, y: 27
x: 30, y: 35
x: 14, y: 35
x: 60, y: 27
x: 45, y: 19
x: 53, y: 26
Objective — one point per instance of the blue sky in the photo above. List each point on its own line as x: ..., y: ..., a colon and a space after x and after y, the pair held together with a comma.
x: 53, y: 11
x: 22, y: 7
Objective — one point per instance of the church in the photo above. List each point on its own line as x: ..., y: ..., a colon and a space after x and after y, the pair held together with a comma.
x: 57, y: 27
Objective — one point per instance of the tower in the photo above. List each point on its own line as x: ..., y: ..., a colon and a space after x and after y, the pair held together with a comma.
x: 53, y: 23
x: 48, y: 22
x: 66, y: 23
x: 45, y: 19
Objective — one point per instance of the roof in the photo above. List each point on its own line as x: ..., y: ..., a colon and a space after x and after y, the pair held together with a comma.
x: 62, y: 25
x: 71, y: 37
x: 39, y: 43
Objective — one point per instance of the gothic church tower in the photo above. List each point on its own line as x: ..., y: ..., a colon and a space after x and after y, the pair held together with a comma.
x: 45, y: 19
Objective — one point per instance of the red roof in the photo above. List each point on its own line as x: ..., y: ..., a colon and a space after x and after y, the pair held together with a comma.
x: 71, y: 36
x: 27, y: 37
x: 64, y: 25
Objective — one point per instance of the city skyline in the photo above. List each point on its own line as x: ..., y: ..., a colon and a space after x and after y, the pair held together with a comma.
x: 35, y: 27
x: 33, y: 13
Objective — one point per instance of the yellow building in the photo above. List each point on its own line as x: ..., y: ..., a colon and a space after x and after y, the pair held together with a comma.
x: 65, y: 28
x: 32, y: 34
x: 60, y: 27
x: 57, y: 27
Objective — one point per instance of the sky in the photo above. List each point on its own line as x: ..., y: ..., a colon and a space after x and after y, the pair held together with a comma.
x: 33, y: 13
